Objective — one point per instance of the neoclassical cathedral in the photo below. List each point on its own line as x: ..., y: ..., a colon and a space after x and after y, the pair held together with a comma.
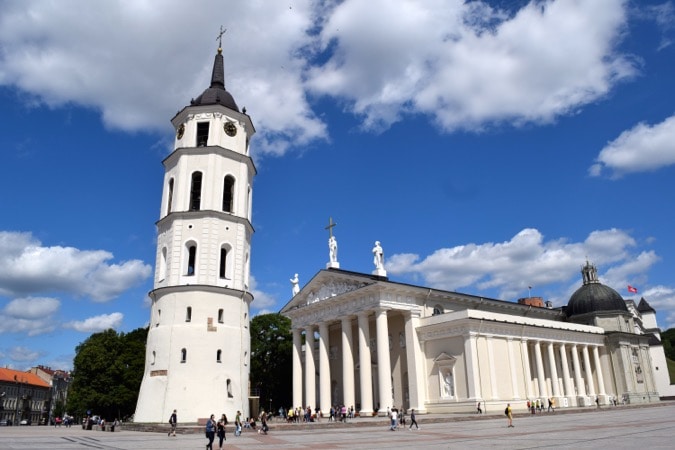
x: 364, y: 340
x: 197, y: 353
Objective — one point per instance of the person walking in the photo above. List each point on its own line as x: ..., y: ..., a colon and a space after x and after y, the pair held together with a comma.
x: 237, y: 424
x: 509, y: 415
x: 220, y: 431
x: 210, y: 432
x: 412, y: 420
x: 479, y: 410
x: 173, y: 421
x: 394, y: 417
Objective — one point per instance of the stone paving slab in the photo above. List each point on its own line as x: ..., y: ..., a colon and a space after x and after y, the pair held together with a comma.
x: 617, y: 428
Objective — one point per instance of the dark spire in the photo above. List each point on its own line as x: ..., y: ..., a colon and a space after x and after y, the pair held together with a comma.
x: 216, y: 94
x: 218, y: 73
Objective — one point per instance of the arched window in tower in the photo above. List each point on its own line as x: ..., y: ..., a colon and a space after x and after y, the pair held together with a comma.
x: 202, y: 134
x: 154, y: 355
x: 170, y: 197
x: 228, y: 194
x: 188, y: 314
x: 196, y: 192
x: 191, y: 259
x: 220, y: 315
x: 229, y: 389
x: 183, y: 355
x: 219, y: 353
x: 224, y: 266
x: 162, y: 264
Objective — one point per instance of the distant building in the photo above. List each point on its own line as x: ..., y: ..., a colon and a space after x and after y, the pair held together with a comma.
x: 23, y: 396
x: 59, y: 380
x: 366, y: 341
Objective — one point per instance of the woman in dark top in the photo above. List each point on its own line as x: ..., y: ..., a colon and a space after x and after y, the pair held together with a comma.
x: 220, y: 430
x: 210, y: 432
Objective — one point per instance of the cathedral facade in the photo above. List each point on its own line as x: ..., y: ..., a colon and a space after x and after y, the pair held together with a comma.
x: 362, y: 340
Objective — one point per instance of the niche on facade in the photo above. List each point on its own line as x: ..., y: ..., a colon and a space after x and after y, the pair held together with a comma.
x: 445, y: 365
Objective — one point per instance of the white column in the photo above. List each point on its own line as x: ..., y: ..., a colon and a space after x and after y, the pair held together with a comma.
x: 526, y: 369
x: 415, y: 359
x: 383, y: 361
x: 589, y: 372
x: 512, y: 364
x: 297, y: 368
x: 324, y: 368
x: 347, y: 362
x: 310, y: 369
x: 365, y: 379
x: 491, y: 362
x: 598, y: 371
x: 567, y: 381
x: 554, y: 371
x: 471, y: 359
x: 541, y: 376
x: 581, y: 387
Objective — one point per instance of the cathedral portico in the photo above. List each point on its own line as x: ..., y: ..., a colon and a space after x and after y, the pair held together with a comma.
x: 393, y: 345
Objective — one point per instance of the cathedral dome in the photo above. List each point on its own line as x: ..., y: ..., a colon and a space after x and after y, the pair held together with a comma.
x: 216, y: 94
x: 594, y: 296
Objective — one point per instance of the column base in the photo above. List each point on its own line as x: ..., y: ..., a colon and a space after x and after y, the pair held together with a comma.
x: 583, y: 400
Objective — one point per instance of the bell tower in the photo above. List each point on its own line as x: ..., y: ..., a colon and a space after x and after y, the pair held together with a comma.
x: 198, y: 348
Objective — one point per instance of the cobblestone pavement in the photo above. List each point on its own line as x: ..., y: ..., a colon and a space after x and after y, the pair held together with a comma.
x: 616, y: 428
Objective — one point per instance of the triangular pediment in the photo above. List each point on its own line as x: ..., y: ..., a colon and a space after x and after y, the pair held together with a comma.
x: 444, y: 358
x: 328, y: 284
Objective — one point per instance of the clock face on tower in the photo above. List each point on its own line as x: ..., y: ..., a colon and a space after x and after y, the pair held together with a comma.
x: 230, y: 128
x: 180, y: 131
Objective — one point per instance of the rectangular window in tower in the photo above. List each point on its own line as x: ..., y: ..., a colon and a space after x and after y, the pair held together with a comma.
x: 196, y: 192
x: 220, y: 316
x: 223, y: 263
x: 188, y: 314
x: 202, y: 134
x: 192, y: 258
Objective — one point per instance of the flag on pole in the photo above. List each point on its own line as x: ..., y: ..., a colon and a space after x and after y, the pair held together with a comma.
x: 632, y: 290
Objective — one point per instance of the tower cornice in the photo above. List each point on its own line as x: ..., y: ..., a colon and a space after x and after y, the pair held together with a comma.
x: 204, y: 214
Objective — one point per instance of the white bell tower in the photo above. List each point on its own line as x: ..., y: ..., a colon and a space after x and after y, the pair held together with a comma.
x: 198, y: 348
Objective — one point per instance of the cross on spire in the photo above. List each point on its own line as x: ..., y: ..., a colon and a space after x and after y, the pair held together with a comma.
x: 220, y: 36
x: 330, y: 226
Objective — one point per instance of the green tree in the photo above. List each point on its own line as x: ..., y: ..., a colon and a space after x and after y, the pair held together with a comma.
x: 271, y: 363
x: 668, y: 339
x: 107, y: 373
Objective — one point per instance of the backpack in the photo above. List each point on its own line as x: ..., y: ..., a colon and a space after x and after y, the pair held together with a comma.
x: 506, y: 411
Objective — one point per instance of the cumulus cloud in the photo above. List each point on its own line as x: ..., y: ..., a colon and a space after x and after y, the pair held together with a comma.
x: 24, y: 354
x: 111, y: 56
x: 30, y: 315
x: 467, y: 64
x: 27, y: 267
x: 262, y: 301
x: 527, y: 259
x: 97, y: 323
x: 642, y: 148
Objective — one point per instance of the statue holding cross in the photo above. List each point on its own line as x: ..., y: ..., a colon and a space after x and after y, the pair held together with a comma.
x: 332, y: 246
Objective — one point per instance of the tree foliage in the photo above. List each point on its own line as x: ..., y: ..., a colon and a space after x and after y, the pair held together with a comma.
x: 668, y: 340
x: 107, y: 373
x: 271, y: 360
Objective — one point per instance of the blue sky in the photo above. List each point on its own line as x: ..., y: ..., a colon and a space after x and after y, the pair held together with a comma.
x: 490, y: 146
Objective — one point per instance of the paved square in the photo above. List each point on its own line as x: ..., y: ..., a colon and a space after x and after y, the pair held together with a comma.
x: 650, y: 427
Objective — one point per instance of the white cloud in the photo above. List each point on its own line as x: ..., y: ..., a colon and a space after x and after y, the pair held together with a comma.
x: 30, y: 315
x: 527, y: 259
x: 467, y: 64
x: 115, y: 56
x: 23, y: 354
x: 642, y: 148
x: 262, y: 301
x: 26, y: 267
x: 97, y: 323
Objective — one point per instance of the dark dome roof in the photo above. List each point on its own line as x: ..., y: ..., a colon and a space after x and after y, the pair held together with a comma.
x: 595, y: 297
x: 216, y: 94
